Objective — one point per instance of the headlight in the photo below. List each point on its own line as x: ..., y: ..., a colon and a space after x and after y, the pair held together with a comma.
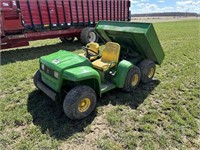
x: 42, y: 66
x: 55, y: 74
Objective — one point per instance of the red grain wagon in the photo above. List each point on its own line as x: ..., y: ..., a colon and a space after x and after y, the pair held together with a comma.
x: 27, y: 20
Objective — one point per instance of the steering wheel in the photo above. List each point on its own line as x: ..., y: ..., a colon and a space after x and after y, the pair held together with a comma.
x: 88, y: 55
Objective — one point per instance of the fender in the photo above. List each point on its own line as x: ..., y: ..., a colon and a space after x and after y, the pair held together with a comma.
x: 122, y: 69
x: 84, y: 74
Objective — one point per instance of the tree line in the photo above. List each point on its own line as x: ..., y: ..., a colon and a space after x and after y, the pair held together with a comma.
x: 167, y: 14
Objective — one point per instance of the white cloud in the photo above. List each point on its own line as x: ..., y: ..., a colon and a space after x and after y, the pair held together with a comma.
x: 161, y: 1
x: 138, y: 1
x: 134, y: 2
x: 188, y: 6
x: 186, y: 2
x: 149, y: 8
x: 144, y: 6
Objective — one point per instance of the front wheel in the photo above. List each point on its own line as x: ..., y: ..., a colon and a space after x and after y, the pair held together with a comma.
x: 37, y: 78
x: 132, y: 79
x: 79, y: 102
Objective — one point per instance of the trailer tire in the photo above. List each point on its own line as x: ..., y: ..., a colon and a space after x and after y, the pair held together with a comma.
x: 79, y: 102
x: 132, y: 79
x: 37, y: 78
x: 147, y: 68
x: 88, y: 35
x: 67, y: 39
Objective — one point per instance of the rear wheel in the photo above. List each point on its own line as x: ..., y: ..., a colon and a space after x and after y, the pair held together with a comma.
x: 132, y: 79
x: 79, y: 102
x: 67, y: 39
x: 88, y: 35
x: 147, y: 68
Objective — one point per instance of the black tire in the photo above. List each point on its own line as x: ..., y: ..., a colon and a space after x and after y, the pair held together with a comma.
x: 67, y: 39
x: 132, y: 79
x: 79, y: 102
x: 37, y: 77
x: 147, y: 68
x: 88, y: 35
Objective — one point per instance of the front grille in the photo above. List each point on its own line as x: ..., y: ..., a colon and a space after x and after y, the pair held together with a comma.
x: 48, y: 70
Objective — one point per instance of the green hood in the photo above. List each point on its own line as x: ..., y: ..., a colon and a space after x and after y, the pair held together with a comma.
x: 62, y: 60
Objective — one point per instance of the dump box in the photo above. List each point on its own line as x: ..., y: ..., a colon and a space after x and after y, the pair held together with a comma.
x: 138, y: 37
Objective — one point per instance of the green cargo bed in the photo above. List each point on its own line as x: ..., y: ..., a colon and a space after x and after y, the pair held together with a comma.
x: 138, y: 37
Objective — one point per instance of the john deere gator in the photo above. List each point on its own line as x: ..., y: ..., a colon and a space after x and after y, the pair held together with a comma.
x: 129, y: 57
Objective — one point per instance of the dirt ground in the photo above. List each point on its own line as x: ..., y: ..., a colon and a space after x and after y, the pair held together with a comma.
x: 161, y: 19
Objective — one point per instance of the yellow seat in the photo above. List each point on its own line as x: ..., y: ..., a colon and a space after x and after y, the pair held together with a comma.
x: 94, y: 47
x: 110, y: 57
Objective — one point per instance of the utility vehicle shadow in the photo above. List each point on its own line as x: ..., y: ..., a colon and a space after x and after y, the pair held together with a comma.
x: 132, y: 99
x: 29, y: 53
x: 50, y: 117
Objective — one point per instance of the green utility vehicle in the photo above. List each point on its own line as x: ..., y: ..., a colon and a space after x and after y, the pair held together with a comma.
x: 129, y: 57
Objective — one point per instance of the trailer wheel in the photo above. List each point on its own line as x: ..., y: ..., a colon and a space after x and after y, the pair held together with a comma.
x: 36, y: 78
x: 132, y: 79
x: 88, y: 35
x: 147, y: 68
x: 67, y: 39
x: 79, y: 102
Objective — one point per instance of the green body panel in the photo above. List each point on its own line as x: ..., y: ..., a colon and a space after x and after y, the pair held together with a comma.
x: 83, y: 75
x: 105, y: 87
x: 62, y: 60
x: 59, y: 62
x: 121, y: 73
x: 51, y: 82
x: 138, y: 37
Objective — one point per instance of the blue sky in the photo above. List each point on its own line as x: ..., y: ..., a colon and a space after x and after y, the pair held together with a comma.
x: 150, y: 6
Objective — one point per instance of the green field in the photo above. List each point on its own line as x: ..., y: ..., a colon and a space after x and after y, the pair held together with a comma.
x: 163, y: 114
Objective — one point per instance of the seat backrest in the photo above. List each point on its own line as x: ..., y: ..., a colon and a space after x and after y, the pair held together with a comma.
x: 111, y: 52
x: 93, y: 46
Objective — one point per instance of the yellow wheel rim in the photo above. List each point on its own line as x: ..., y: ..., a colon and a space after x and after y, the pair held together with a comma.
x: 84, y: 105
x: 151, y: 72
x: 134, y: 80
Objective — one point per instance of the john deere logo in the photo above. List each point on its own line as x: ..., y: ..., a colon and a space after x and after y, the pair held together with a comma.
x: 56, y: 61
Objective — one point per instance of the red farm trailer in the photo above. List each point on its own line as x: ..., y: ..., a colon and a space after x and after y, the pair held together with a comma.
x: 27, y: 20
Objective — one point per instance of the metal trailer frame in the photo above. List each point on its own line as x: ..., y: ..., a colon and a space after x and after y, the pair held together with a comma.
x: 27, y: 20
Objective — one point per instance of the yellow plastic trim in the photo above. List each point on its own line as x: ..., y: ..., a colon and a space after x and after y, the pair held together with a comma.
x: 84, y: 105
x: 93, y: 46
x: 110, y: 54
x: 134, y: 80
x: 151, y: 72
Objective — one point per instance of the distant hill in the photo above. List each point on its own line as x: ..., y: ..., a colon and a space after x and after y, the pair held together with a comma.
x: 167, y: 14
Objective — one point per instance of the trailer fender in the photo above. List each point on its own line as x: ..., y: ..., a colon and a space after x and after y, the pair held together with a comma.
x: 83, y: 75
x: 122, y: 69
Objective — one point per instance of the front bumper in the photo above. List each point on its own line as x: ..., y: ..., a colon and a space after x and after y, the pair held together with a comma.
x: 49, y: 92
